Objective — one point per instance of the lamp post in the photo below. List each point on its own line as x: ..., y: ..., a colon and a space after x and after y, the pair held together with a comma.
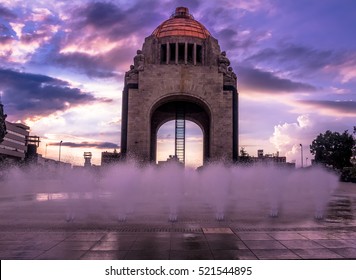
x: 301, y: 153
x: 60, y: 146
x: 46, y: 151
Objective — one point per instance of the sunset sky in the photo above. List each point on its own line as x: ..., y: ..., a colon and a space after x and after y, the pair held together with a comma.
x: 62, y: 65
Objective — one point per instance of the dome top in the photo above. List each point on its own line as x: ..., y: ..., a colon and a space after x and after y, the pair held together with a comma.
x: 181, y: 23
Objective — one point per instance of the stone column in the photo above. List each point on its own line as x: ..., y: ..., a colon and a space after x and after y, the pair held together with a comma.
x: 168, y: 54
x: 186, y: 53
x: 176, y: 53
x: 195, y: 54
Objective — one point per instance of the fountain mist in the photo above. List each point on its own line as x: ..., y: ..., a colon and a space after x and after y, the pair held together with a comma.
x: 126, y: 192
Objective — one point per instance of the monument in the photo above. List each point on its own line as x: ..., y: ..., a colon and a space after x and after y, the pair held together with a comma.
x: 180, y: 74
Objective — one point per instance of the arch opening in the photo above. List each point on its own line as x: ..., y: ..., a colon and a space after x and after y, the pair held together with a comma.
x: 193, y: 143
x: 197, y: 119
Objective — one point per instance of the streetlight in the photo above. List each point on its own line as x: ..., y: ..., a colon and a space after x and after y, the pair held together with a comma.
x: 60, y: 146
x: 301, y: 153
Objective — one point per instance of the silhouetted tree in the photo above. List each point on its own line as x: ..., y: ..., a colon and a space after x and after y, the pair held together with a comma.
x: 353, y: 159
x: 244, y: 157
x: 334, y: 149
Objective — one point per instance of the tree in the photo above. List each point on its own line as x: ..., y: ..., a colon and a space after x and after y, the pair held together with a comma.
x: 334, y: 149
x: 244, y: 157
x: 353, y: 159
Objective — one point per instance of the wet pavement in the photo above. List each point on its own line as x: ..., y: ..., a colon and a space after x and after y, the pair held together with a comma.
x: 172, y: 244
x: 37, y: 230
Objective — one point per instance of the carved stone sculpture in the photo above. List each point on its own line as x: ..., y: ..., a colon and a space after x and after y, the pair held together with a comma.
x: 139, y: 61
x: 230, y: 77
x: 131, y: 76
x: 224, y: 62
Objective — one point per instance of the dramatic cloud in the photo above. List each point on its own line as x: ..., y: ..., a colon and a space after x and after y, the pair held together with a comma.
x: 24, y: 33
x: 93, y: 66
x: 302, y: 61
x: 103, y: 15
x: 287, y: 138
x: 295, y: 57
x: 239, y: 41
x: 116, y: 21
x: 345, y: 69
x: 6, y: 13
x: 98, y: 145
x: 249, y: 5
x: 5, y: 35
x: 30, y: 95
x: 290, y: 61
x: 108, y: 40
x: 252, y: 79
x: 341, y: 108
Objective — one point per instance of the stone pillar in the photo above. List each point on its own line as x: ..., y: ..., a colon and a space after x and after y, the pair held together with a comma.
x: 168, y: 53
x: 186, y: 53
x: 176, y: 53
x: 195, y: 54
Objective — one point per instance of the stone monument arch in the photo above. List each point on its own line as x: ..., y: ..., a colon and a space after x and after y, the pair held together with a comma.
x: 180, y: 74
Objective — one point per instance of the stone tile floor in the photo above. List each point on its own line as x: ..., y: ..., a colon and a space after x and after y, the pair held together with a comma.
x: 38, y: 230
x: 171, y: 244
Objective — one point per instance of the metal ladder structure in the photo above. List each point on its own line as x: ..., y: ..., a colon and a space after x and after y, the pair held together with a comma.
x: 180, y: 133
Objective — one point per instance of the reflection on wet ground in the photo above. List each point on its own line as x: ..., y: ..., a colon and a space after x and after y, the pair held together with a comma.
x: 173, y: 243
x: 340, y: 209
x: 54, y: 196
x: 34, y: 227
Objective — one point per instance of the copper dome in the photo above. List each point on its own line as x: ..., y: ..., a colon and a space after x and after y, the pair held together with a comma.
x: 181, y: 23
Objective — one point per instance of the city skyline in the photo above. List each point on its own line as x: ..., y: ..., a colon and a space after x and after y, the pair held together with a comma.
x: 62, y: 69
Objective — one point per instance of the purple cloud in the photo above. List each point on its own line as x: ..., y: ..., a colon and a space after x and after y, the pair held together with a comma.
x: 341, y: 107
x: 6, y: 13
x: 6, y: 33
x: 29, y: 95
x: 99, y: 24
x: 114, y: 21
x: 98, y: 145
x: 263, y: 81
x: 103, y: 15
x: 302, y: 59
x: 93, y: 66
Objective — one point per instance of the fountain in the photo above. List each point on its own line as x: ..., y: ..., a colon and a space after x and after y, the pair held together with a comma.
x: 150, y: 194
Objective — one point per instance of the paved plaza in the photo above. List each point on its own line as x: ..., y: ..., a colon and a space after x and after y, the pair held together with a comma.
x: 178, y: 243
x: 36, y: 230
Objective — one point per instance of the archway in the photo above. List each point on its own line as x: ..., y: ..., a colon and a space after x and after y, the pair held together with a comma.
x: 195, y: 110
x: 193, y: 144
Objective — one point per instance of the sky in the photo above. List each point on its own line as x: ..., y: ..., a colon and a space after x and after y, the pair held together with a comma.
x: 62, y: 65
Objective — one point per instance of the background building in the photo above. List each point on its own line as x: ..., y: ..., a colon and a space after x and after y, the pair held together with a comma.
x: 270, y: 159
x: 108, y: 158
x: 2, y: 122
x: 14, y: 148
